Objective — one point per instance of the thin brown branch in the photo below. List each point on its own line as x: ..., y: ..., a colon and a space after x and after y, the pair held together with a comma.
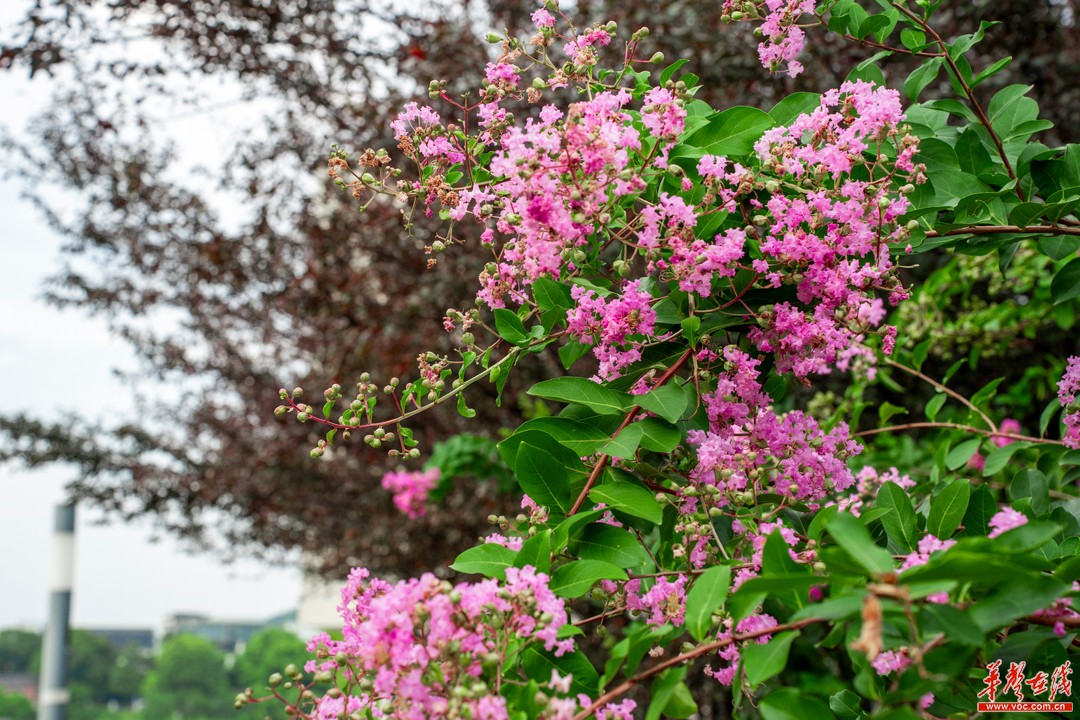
x: 697, y: 652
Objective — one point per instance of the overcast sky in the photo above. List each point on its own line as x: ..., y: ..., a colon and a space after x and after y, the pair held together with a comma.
x: 59, y: 364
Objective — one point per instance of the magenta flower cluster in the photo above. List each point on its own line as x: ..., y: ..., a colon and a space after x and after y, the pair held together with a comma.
x: 422, y: 649
x: 410, y: 489
x: 1069, y: 396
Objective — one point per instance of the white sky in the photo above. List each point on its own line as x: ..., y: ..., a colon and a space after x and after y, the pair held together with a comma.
x: 56, y: 364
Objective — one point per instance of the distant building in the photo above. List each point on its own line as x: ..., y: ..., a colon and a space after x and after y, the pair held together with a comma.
x: 229, y: 635
x: 142, y: 638
x: 20, y: 684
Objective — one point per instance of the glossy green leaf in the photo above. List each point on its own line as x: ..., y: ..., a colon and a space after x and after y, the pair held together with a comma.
x: 960, y: 454
x: 731, y: 132
x: 538, y: 663
x: 489, y: 560
x: 1066, y: 282
x: 536, y: 551
x: 900, y: 523
x: 854, y: 538
x: 578, y: 577
x: 948, y: 508
x: 706, y: 596
x: 542, y: 477
x: 761, y: 662
x: 611, y: 545
x: 630, y: 498
x: 510, y: 327
x: 598, y: 398
x: 668, y: 401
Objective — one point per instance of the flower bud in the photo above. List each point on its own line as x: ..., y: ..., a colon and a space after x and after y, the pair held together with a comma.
x: 493, y: 38
x: 657, y: 58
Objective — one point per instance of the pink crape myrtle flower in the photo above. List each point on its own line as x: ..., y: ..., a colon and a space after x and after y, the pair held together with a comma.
x: 1006, y: 520
x: 1068, y: 391
x: 413, y: 643
x: 411, y: 490
x: 891, y: 661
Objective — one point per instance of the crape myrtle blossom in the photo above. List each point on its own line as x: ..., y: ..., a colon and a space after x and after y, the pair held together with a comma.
x: 410, y: 489
x: 1069, y: 396
x: 749, y: 447
x: 1005, y: 520
x: 408, y: 645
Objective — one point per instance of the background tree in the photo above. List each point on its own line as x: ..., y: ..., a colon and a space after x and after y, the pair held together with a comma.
x: 14, y: 706
x: 128, y: 673
x: 267, y: 652
x: 17, y: 650
x: 189, y: 681
x: 273, y: 279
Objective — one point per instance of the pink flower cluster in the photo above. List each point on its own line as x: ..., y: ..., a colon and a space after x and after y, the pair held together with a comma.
x: 891, y: 661
x: 609, y: 326
x: 407, y: 647
x: 725, y: 674
x: 748, y: 446
x: 831, y: 239
x: 411, y: 489
x: 869, y: 481
x: 783, y: 38
x: 558, y: 175
x: 1006, y: 520
x: 1068, y: 394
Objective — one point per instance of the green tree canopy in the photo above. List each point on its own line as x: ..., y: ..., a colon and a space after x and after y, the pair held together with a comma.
x: 188, y: 682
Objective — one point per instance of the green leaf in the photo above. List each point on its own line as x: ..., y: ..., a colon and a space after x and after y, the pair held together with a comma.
x: 576, y: 578
x: 948, y: 508
x: 855, y: 539
x: 670, y: 70
x: 959, y: 455
x: 650, y: 433
x: 792, y: 704
x: 536, y: 551
x: 887, y: 410
x: 981, y: 507
x: 900, y: 523
x: 611, y: 545
x: 662, y: 688
x: 956, y: 624
x: 992, y: 70
x: 583, y: 439
x: 542, y: 474
x: 706, y: 596
x: 1032, y: 484
x: 1058, y: 247
x: 794, y: 105
x: 489, y: 560
x: 761, y: 662
x: 1014, y: 600
x: 1066, y: 282
x: 846, y: 704
x: 538, y: 663
x: 579, y: 391
x: 630, y: 498
x: 571, y: 352
x: 922, y: 76
x: 731, y: 132
x: 933, y: 406
x: 838, y: 608
x: 550, y: 295
x: 668, y: 401
x: 509, y: 327
x: 999, y: 457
